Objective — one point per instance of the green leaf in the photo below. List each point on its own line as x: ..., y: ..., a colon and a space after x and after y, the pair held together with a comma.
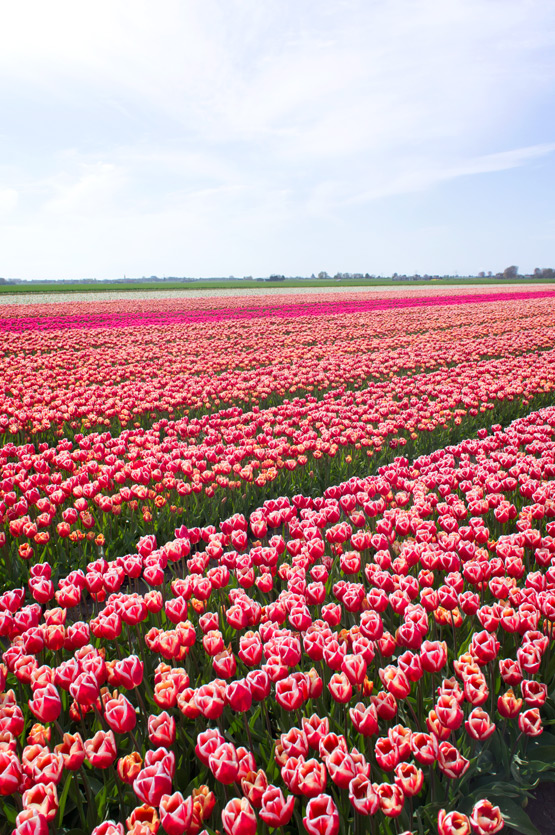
x: 255, y: 716
x: 515, y: 816
x: 544, y: 753
x: 63, y: 797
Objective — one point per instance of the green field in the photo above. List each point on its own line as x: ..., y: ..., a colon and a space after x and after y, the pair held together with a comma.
x: 240, y: 284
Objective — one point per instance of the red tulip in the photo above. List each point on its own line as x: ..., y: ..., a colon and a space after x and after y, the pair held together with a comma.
x: 30, y: 822
x: 10, y: 773
x: 289, y: 695
x: 310, y: 777
x: 363, y: 796
x: 120, y: 714
x: 534, y: 692
x: 341, y: 767
x: 448, y: 712
x: 85, y: 689
x: 395, y: 681
x: 129, y: 766
x: 364, y: 719
x: 486, y: 818
x: 409, y: 778
x: 253, y: 786
x: 391, y: 799
x: 424, y: 747
x: 433, y: 655
x: 479, y: 724
x: 176, y: 813
x: 322, y: 817
x: 484, y: 647
x: 162, y: 757
x: 224, y: 764
x: 161, y: 729
x: 451, y: 761
x: 210, y: 700
x: 239, y: 696
x: 238, y: 817
x: 152, y: 783
x: 259, y: 684
x: 530, y: 722
x: 452, y: 823
x: 315, y: 729
x: 275, y: 810
x: 109, y: 828
x: 386, y: 753
x: 207, y: 742
x: 508, y: 705
x: 41, y: 799
x: 340, y: 688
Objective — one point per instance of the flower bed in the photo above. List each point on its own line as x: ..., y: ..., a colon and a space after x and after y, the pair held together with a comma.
x: 377, y: 651
x: 312, y: 650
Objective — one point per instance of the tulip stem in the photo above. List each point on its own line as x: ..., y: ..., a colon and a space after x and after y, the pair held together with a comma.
x: 248, y: 732
x: 513, y: 749
x: 415, y: 717
x: 267, y: 717
x: 121, y: 798
x: 87, y: 789
x: 79, y: 802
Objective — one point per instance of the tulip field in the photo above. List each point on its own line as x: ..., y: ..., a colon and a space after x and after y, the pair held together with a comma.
x: 284, y: 564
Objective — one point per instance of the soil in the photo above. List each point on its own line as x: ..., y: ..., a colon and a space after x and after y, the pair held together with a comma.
x: 541, y: 809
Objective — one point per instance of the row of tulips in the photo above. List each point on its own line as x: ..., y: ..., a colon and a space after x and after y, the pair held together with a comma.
x: 61, y: 382
x: 377, y: 658
x: 105, y: 490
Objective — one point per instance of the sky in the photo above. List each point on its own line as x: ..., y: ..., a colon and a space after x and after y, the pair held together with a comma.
x: 240, y: 137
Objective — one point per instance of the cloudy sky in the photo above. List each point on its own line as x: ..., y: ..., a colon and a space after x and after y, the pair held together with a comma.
x: 239, y: 137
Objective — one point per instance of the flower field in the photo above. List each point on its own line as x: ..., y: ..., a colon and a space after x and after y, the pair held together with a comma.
x: 286, y: 566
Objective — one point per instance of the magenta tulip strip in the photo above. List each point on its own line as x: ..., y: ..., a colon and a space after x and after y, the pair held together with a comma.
x: 253, y: 615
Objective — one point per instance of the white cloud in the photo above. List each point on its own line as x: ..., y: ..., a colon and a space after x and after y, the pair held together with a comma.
x: 8, y: 201
x: 417, y: 177
x: 92, y: 191
x: 244, y: 122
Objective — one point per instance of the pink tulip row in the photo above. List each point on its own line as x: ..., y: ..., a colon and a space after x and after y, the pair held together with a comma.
x: 286, y: 307
x: 78, y: 487
x: 360, y: 651
x: 70, y: 382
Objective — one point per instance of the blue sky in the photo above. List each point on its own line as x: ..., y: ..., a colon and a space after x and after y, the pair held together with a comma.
x: 240, y: 137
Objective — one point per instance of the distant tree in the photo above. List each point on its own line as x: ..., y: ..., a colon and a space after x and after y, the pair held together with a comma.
x: 510, y: 272
x: 481, y: 274
x: 537, y: 272
x: 548, y: 272
x: 323, y: 274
